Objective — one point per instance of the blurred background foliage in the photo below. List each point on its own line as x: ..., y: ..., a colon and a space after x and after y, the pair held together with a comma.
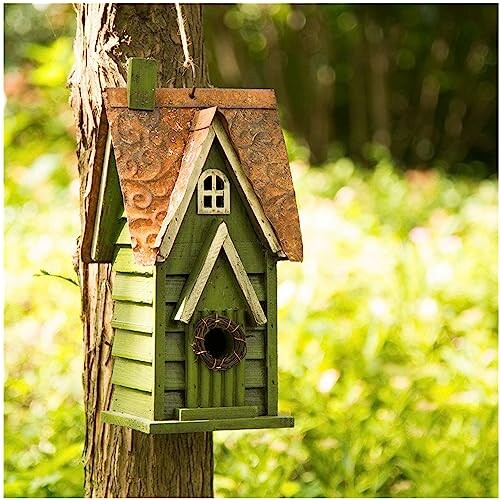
x: 420, y: 80
x: 388, y: 330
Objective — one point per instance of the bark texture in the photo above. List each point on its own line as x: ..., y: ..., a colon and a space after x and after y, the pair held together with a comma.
x: 120, y: 462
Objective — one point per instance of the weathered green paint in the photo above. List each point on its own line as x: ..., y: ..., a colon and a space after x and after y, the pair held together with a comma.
x: 255, y: 373
x: 256, y: 346
x: 205, y: 376
x: 124, y: 235
x: 133, y: 374
x: 175, y: 284
x: 133, y: 345
x: 135, y: 317
x: 194, y: 227
x: 199, y: 263
x: 272, y: 336
x: 192, y: 381
x: 133, y: 401
x: 109, y: 209
x: 185, y: 414
x: 174, y: 346
x: 159, y: 311
x: 124, y: 261
x: 228, y: 377
x: 172, y: 326
x: 141, y: 83
x: 132, y: 288
x: 216, y: 388
x: 173, y: 400
x: 174, y: 375
x: 176, y: 426
x: 239, y: 375
x: 256, y: 397
x: 222, y: 289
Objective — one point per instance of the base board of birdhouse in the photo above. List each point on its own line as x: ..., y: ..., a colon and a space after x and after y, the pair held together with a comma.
x: 176, y: 426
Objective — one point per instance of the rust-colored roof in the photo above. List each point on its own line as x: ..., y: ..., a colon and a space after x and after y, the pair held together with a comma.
x: 149, y: 148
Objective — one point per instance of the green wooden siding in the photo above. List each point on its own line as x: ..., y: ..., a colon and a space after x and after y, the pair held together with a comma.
x: 135, y: 317
x: 133, y: 345
x: 133, y: 288
x: 124, y: 261
x: 222, y: 290
x: 133, y: 374
x: 186, y: 414
x: 194, y: 228
x: 133, y: 401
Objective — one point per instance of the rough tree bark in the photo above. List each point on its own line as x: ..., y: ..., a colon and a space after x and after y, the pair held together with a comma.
x: 120, y: 462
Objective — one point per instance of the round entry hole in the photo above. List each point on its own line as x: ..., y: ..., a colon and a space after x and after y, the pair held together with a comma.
x: 219, y: 343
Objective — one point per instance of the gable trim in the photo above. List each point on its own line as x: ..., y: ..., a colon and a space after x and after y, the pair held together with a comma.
x: 109, y: 208
x: 198, y: 278
x: 251, y: 197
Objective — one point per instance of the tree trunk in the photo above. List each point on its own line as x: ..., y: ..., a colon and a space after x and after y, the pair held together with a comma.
x: 120, y: 462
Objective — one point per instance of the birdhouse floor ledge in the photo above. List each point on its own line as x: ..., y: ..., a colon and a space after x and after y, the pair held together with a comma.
x: 177, y: 426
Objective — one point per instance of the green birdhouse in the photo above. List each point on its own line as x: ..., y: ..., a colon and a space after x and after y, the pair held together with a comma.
x: 193, y: 204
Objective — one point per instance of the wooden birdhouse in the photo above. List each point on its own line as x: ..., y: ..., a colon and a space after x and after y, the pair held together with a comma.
x: 192, y: 202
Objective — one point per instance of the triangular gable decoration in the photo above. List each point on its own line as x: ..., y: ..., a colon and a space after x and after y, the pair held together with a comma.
x: 198, y: 278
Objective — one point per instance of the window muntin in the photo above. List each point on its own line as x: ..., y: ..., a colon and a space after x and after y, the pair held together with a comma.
x: 213, y: 192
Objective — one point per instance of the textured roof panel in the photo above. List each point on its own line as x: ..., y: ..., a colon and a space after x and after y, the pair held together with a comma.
x: 257, y: 137
x: 148, y: 149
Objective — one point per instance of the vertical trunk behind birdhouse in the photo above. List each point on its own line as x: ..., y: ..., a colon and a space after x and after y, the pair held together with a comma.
x: 120, y: 462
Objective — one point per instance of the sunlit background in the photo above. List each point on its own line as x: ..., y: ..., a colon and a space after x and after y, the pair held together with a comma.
x: 388, y: 330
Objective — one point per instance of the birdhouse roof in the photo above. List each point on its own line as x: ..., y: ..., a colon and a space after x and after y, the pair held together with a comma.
x: 156, y: 153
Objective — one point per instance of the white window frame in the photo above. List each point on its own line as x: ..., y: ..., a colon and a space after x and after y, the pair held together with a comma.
x: 213, y: 193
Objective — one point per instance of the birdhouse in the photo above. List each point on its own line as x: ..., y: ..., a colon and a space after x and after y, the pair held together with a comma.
x: 193, y: 204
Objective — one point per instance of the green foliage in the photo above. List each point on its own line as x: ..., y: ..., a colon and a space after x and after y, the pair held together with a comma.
x: 419, y: 79
x: 387, y: 343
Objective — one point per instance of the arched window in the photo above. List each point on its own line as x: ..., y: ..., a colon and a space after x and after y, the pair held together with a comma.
x: 213, y: 192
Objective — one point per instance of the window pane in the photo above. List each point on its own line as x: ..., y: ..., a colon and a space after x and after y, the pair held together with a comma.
x: 207, y: 202
x: 219, y: 201
x: 219, y: 183
x: 207, y: 183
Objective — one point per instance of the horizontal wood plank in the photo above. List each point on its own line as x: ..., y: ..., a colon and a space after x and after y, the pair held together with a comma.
x: 132, y: 401
x: 203, y: 98
x: 172, y: 325
x: 124, y: 262
x: 133, y: 345
x: 174, y: 346
x: 175, y: 284
x: 175, y: 426
x: 174, y: 375
x: 173, y: 400
x: 255, y: 373
x: 129, y: 287
x: 133, y: 374
x: 135, y: 317
x: 256, y: 397
x: 256, y: 348
x: 184, y: 414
